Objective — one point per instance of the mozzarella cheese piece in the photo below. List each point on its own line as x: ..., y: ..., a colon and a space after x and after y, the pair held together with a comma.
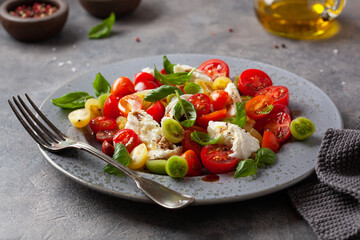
x: 235, y: 95
x: 148, y: 70
x: 243, y: 144
x: 169, y: 110
x: 197, y: 74
x: 151, y: 134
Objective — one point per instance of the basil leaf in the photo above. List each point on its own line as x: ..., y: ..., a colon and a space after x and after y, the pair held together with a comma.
x: 72, y: 100
x: 122, y: 156
x: 168, y: 66
x: 267, y: 110
x: 193, y: 88
x: 184, y: 112
x: 241, y: 117
x: 264, y: 157
x: 103, y: 29
x: 101, y: 85
x: 161, y: 92
x: 203, y: 138
x: 173, y: 78
x: 245, y: 168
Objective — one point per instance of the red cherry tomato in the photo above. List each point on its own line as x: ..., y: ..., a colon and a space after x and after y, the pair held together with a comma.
x: 220, y: 99
x: 215, y: 158
x: 106, y: 135
x: 203, y: 121
x: 280, y: 94
x: 270, y: 141
x: 260, y: 123
x: 130, y: 103
x: 141, y: 86
x: 189, y: 144
x: 102, y: 123
x: 122, y: 87
x: 194, y: 163
x: 279, y: 108
x: 163, y: 71
x: 201, y: 103
x: 144, y: 80
x: 107, y: 148
x: 279, y: 125
x: 215, y: 68
x: 256, y: 106
x: 157, y: 111
x: 127, y: 137
x: 252, y: 81
x: 111, y: 107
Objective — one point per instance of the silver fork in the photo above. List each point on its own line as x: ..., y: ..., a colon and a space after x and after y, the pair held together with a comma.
x: 56, y: 141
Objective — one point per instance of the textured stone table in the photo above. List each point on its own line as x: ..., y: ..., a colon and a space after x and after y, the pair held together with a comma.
x: 38, y: 202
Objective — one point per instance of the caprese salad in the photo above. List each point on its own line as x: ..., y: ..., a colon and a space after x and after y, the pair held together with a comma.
x: 188, y: 121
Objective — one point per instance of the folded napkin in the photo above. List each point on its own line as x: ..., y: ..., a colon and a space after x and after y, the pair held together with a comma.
x: 331, y: 203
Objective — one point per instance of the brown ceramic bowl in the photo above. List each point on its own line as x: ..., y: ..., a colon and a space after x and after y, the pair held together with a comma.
x: 103, y: 8
x: 33, y: 29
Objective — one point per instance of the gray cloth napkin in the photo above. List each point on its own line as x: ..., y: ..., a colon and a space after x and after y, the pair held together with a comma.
x: 331, y: 203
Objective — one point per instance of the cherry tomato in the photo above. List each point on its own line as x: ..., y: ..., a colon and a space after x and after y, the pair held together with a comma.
x: 163, y: 71
x: 220, y: 99
x: 141, y: 86
x: 130, y: 103
x: 203, y: 121
x: 215, y: 158
x: 280, y: 94
x: 144, y: 80
x: 279, y: 108
x: 257, y: 106
x: 279, y: 125
x: 215, y: 68
x: 106, y: 135
x: 260, y: 123
x: 252, y: 81
x: 107, y: 148
x: 111, y: 107
x: 270, y: 141
x: 127, y: 137
x: 102, y: 123
x: 201, y: 103
x: 157, y: 111
x: 194, y: 163
x: 122, y: 87
x: 189, y: 144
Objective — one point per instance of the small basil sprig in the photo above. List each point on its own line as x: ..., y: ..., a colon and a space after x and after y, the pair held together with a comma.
x: 122, y: 156
x: 184, y: 112
x: 267, y: 110
x: 161, y: 92
x: 193, y: 88
x: 101, y: 85
x: 248, y: 167
x: 103, y: 29
x: 172, y: 78
x: 203, y: 138
x: 241, y: 117
x: 168, y: 66
x: 72, y: 100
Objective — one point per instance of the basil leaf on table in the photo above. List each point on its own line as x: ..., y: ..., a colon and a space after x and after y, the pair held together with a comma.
x: 172, y: 78
x: 241, y: 117
x: 193, y: 88
x: 101, y: 85
x: 168, y: 66
x: 103, y: 29
x: 203, y: 138
x: 245, y: 168
x: 184, y: 112
x: 267, y: 110
x: 122, y: 156
x: 161, y: 92
x: 72, y: 100
x: 264, y: 157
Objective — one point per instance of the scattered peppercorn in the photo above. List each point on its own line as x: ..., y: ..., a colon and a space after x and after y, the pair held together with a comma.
x: 37, y: 10
x: 276, y: 46
x: 137, y: 39
x: 283, y: 45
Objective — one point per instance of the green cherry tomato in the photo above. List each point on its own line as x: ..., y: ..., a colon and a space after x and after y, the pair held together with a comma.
x: 172, y: 130
x: 176, y: 167
x: 156, y: 166
x: 302, y: 128
x: 102, y: 98
x: 236, y: 81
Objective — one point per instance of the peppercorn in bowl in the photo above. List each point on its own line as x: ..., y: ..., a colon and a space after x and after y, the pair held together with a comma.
x: 33, y: 20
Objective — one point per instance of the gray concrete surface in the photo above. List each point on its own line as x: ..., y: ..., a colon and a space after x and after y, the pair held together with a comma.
x: 38, y: 202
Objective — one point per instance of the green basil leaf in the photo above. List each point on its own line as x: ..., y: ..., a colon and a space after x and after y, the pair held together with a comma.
x: 112, y: 170
x: 122, y: 156
x: 168, y: 66
x: 184, y: 112
x: 267, y: 110
x: 241, y: 117
x: 103, y: 29
x: 245, y: 99
x: 193, y: 88
x: 161, y: 92
x: 264, y: 157
x: 101, y: 85
x: 203, y: 138
x: 72, y: 100
x: 245, y: 168
x: 173, y: 78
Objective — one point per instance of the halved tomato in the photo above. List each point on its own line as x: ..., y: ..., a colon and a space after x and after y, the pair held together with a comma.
x: 130, y: 103
x: 201, y: 103
x: 203, y: 121
x: 107, y: 148
x: 215, y: 68
x: 189, y: 144
x: 215, y: 158
x: 280, y: 94
x: 270, y: 141
x: 102, y: 123
x: 252, y: 81
x: 279, y: 125
x: 257, y: 107
x: 260, y: 123
x: 127, y: 137
x: 194, y: 163
x: 106, y: 135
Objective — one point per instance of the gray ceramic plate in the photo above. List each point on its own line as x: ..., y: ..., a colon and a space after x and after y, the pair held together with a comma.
x: 296, y: 159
